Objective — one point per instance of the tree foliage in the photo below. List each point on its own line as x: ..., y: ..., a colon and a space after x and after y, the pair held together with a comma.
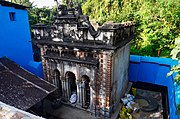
x: 26, y: 3
x: 157, y: 21
x: 42, y: 15
x: 37, y: 15
x: 175, y: 53
x: 175, y: 70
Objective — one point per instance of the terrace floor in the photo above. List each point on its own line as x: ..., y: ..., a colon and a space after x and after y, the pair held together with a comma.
x: 148, y: 114
x: 70, y: 112
x: 66, y: 112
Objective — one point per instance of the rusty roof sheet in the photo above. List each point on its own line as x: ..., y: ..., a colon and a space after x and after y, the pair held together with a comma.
x: 19, y: 88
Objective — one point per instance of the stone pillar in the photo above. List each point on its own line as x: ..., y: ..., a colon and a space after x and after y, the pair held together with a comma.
x: 80, y: 93
x: 67, y: 88
x: 92, y: 95
x: 83, y: 93
x: 44, y: 62
x: 96, y: 94
x: 108, y: 84
x: 78, y: 83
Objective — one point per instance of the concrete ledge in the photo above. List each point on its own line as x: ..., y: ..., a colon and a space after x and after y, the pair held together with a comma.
x: 156, y: 60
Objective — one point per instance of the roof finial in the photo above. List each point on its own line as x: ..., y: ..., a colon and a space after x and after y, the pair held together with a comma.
x: 69, y: 3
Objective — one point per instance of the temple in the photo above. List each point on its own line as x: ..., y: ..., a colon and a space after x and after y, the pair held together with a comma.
x: 90, y: 64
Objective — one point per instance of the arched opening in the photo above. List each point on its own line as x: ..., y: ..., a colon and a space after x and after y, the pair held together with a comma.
x: 71, y: 78
x: 57, y: 82
x: 86, y: 91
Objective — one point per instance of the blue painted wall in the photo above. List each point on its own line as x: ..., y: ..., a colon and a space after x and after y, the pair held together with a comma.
x: 154, y: 70
x: 15, y: 36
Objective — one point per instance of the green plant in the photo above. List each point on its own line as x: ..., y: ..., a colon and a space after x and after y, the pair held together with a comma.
x: 178, y: 107
x: 175, y: 53
x: 157, y: 22
x: 176, y: 69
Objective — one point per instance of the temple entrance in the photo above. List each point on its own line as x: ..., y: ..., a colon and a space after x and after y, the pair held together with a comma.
x: 71, y: 79
x: 57, y: 82
x: 86, y: 91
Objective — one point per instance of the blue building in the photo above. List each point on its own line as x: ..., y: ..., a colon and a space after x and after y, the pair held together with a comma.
x: 15, y: 33
x: 15, y: 36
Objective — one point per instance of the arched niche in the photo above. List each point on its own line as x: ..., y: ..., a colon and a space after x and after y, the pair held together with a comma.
x: 71, y: 79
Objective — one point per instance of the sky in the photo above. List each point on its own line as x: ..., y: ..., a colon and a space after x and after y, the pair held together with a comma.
x: 41, y: 3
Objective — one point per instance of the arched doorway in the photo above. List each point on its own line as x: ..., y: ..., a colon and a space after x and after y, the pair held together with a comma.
x: 71, y: 79
x: 57, y: 82
x: 86, y: 91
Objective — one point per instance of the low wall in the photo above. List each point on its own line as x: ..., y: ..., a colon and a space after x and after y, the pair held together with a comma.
x: 154, y: 70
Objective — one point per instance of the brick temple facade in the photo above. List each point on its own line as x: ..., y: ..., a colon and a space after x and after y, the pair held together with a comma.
x: 91, y: 64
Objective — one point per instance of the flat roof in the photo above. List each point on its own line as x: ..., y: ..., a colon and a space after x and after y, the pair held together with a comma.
x: 10, y: 4
x: 20, y: 88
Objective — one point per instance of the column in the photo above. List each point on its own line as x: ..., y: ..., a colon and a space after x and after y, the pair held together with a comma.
x: 78, y: 83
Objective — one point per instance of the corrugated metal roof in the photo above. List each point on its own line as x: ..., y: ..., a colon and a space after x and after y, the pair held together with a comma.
x: 20, y: 88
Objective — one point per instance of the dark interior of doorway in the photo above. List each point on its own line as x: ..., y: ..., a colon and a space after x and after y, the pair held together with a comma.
x: 59, y: 83
x: 71, y: 78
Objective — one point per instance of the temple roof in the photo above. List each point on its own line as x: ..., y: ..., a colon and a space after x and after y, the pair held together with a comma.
x: 71, y: 28
x: 20, y: 88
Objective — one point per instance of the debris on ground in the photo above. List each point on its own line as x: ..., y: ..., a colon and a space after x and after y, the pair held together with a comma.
x: 73, y: 98
x: 129, y: 106
x: 141, y: 104
x: 128, y: 102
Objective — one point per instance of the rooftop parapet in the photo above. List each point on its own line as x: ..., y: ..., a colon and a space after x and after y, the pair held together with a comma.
x: 71, y: 26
